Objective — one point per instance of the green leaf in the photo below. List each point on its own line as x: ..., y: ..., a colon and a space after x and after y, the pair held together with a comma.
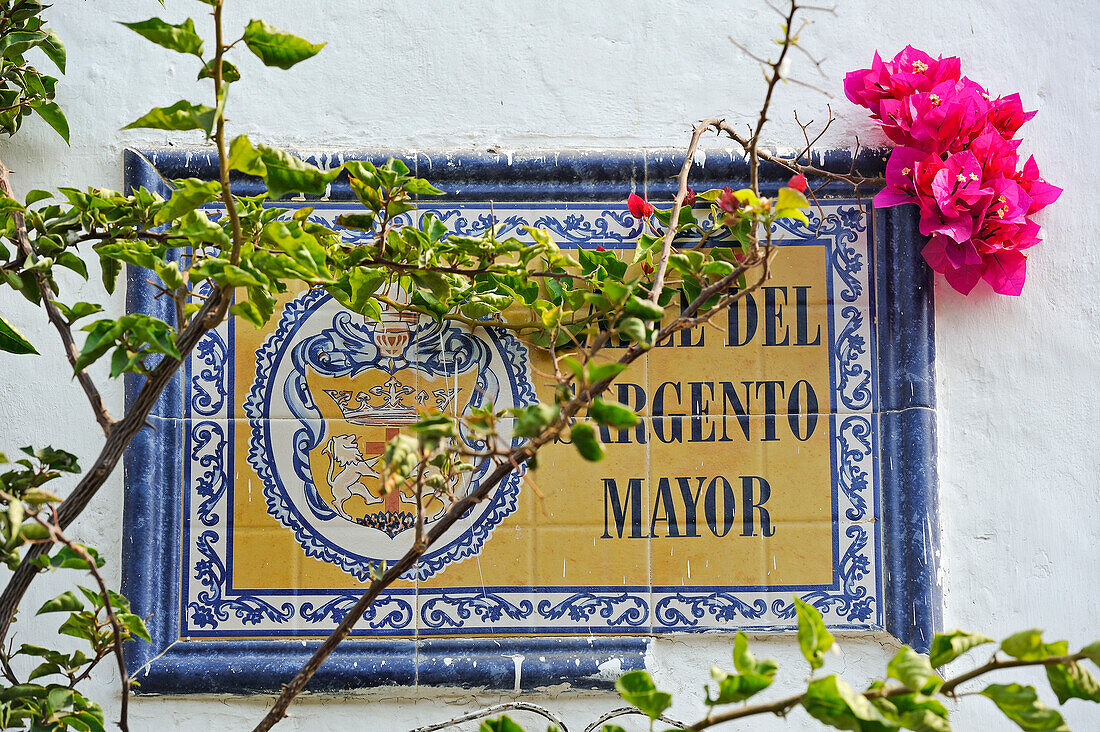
x: 636, y: 307
x: 598, y: 372
x: 7, y: 205
x: 189, y: 194
x: 59, y: 698
x: 230, y: 73
x: 502, y: 724
x: 1072, y: 681
x: 833, y: 702
x: 12, y: 341
x: 813, y: 637
x: 244, y: 157
x: 54, y: 49
x: 13, y: 44
x: 1027, y: 645
x: 285, y: 173
x: 109, y: 271
x: 34, y: 532
x: 181, y: 38
x: 1021, y: 704
x: 633, y: 329
x: 134, y: 624
x: 946, y: 647
x: 637, y: 688
x: 183, y: 115
x: 66, y: 602
x: 54, y: 117
x: 911, y: 668
x: 37, y: 195
x: 587, y: 444
x: 66, y: 558
x: 614, y: 414
x: 754, y: 676
x: 278, y: 48
x: 421, y: 187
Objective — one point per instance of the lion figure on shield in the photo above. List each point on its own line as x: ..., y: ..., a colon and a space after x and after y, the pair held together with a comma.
x: 342, y: 450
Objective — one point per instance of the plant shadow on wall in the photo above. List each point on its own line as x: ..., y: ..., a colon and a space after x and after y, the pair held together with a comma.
x: 709, y: 248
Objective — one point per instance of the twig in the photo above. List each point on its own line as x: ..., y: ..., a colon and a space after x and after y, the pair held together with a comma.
x: 487, y: 711
x: 116, y: 629
x: 626, y: 712
x: 106, y: 422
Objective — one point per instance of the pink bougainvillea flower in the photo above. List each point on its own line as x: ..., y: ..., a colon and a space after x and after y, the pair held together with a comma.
x: 728, y: 202
x: 868, y: 87
x: 911, y: 71
x: 956, y: 158
x: 995, y: 154
x: 639, y: 207
x: 955, y: 200
x: 1005, y: 271
x: 1042, y: 193
x: 797, y: 182
x: 1007, y: 115
x: 962, y: 278
x: 903, y: 170
x: 689, y: 198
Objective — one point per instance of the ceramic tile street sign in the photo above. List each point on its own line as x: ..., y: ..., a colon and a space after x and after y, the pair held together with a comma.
x: 761, y: 467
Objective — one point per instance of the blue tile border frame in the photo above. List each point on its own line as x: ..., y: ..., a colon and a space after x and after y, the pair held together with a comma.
x: 905, y: 389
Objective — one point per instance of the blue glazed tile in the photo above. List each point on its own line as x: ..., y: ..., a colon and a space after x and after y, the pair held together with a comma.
x: 528, y: 663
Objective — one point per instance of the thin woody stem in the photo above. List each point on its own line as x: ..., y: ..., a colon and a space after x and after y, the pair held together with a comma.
x: 106, y: 422
x: 782, y: 706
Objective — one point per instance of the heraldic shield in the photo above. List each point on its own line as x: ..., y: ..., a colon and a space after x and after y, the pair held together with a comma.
x: 333, y: 387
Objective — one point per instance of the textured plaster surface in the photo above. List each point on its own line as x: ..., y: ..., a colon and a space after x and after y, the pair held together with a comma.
x: 1016, y: 377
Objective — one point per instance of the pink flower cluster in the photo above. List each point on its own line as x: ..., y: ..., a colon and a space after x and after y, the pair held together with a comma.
x: 956, y: 159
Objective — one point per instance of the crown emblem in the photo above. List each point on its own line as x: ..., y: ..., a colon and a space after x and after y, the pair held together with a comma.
x: 394, y: 401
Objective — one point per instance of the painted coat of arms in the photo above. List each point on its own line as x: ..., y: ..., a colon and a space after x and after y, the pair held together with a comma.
x: 332, y: 388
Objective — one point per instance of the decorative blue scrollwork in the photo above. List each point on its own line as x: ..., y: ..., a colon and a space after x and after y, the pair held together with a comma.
x: 853, y: 445
x: 385, y: 612
x: 852, y: 602
x: 208, y: 451
x: 722, y: 606
x: 454, y: 610
x: 580, y: 230
x: 208, y: 390
x: 618, y: 610
x: 854, y: 380
x: 212, y: 607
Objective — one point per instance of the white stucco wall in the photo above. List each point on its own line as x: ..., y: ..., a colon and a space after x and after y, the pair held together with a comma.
x: 1016, y: 377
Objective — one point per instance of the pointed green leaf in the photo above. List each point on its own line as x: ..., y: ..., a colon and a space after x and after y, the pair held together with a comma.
x: 12, y: 341
x: 182, y: 115
x: 911, y: 668
x: 612, y: 413
x: 278, y: 48
x: 54, y: 49
x: 588, y: 445
x: 1072, y: 681
x: 54, y: 117
x: 1021, y: 704
x: 637, y: 688
x: 181, y: 38
x: 833, y: 702
x: 946, y: 647
x: 66, y: 602
x: 813, y: 637
x: 285, y: 173
x: 189, y: 194
x: 230, y: 73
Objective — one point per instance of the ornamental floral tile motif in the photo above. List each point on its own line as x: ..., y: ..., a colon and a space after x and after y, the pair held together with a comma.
x: 753, y: 474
